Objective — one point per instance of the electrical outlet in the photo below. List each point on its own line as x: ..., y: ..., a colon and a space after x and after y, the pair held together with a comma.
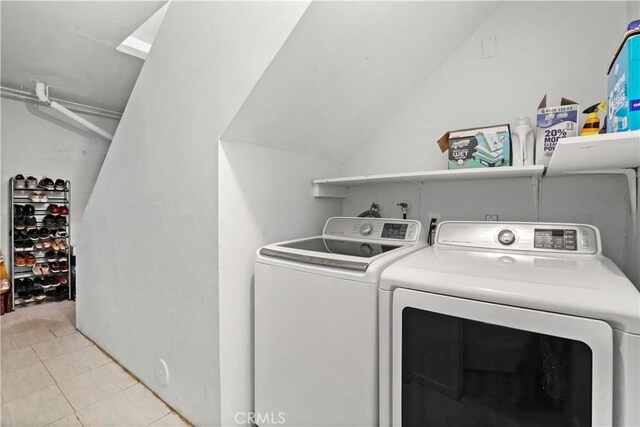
x: 491, y: 217
x: 435, y: 216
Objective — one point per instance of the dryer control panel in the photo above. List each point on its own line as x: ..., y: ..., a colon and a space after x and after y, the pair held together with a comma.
x: 521, y: 236
x: 397, y: 230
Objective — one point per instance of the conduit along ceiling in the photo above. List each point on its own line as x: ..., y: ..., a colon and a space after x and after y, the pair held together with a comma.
x: 71, y: 45
x: 340, y: 75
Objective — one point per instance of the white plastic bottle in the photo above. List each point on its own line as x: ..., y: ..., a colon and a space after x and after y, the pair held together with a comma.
x: 522, y: 143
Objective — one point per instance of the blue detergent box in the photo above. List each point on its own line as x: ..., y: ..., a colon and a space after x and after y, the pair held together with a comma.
x: 623, y: 85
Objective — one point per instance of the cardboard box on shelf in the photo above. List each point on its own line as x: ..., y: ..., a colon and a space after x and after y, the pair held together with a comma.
x: 488, y: 146
x: 553, y: 124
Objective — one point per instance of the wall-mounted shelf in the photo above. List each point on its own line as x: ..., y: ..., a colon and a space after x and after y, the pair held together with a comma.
x: 337, y: 187
x: 596, y: 152
x: 606, y: 154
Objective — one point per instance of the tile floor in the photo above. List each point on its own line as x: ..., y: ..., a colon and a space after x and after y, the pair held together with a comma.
x: 53, y: 376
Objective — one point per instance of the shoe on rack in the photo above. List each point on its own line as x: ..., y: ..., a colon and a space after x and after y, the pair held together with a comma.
x: 64, y: 211
x: 62, y: 245
x: 39, y: 245
x: 29, y: 210
x: 62, y: 256
x: 44, y: 232
x: 18, y: 283
x: 27, y: 244
x: 46, y: 244
x: 54, y: 267
x: 32, y: 183
x: 19, y: 183
x: 30, y: 260
x: 19, y: 260
x: 49, y: 221
x: 37, y: 269
x: 34, y: 234
x: 19, y: 223
x: 18, y: 245
x: 60, y: 221
x: 63, y: 280
x: 26, y: 297
x: 39, y: 294
x: 54, y: 280
x: 18, y: 210
x: 31, y: 223
x: 46, y: 183
x: 60, y: 185
x: 38, y: 197
x: 53, y: 209
x: 64, y: 266
x: 50, y: 256
x: 61, y: 232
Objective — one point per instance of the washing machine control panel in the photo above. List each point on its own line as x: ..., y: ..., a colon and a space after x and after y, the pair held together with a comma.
x: 521, y: 236
x: 398, y: 230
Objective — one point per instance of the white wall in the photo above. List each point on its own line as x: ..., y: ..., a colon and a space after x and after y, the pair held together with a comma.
x: 265, y: 196
x: 148, y: 248
x: 39, y: 141
x: 541, y: 48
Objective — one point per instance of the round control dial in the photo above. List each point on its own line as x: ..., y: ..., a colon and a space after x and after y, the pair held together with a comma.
x: 506, y: 237
x: 366, y: 229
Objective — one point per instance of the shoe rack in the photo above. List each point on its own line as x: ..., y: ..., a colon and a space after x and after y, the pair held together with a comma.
x: 52, y: 292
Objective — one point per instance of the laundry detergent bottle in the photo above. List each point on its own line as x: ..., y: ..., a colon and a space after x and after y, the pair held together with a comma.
x: 523, y: 142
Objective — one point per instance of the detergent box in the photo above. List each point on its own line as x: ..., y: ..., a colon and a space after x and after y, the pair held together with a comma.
x: 485, y: 147
x: 553, y: 124
x: 623, y: 85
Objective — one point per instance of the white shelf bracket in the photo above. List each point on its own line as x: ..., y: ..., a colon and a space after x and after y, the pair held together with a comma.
x: 632, y: 186
x: 329, y: 191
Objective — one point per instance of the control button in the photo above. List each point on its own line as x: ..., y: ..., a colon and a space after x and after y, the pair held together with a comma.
x: 366, y: 229
x: 584, y: 243
x: 506, y: 237
x: 584, y: 232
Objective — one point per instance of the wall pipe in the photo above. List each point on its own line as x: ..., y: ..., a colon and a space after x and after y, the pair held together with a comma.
x: 24, y: 95
x: 42, y: 92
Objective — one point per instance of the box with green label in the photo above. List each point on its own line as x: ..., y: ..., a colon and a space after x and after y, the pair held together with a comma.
x: 486, y: 147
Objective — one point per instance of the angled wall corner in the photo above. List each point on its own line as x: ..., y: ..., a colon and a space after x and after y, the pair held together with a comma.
x: 148, y: 248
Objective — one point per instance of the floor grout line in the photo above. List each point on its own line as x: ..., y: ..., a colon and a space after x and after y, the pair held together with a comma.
x: 104, y: 398
x: 50, y: 320
x: 56, y: 383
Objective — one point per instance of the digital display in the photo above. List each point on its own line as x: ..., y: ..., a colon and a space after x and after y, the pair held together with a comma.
x: 394, y: 231
x: 564, y: 240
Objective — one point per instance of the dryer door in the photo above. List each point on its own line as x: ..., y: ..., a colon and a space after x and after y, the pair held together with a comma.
x: 461, y: 362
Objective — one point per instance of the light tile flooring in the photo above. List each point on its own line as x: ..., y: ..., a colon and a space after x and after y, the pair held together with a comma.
x: 53, y: 376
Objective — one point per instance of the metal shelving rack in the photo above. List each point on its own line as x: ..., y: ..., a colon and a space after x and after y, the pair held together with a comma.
x: 21, y: 197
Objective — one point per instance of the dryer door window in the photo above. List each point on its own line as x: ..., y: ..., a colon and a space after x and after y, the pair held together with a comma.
x: 460, y: 372
x: 460, y: 362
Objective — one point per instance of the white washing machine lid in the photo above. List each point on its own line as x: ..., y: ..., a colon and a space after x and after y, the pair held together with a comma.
x: 350, y: 248
x: 585, y: 286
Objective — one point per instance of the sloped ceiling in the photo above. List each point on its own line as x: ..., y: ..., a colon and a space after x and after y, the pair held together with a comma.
x: 72, y: 46
x: 345, y: 68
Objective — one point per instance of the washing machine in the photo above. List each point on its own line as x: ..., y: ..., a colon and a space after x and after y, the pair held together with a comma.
x: 509, y: 324
x: 316, y: 322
